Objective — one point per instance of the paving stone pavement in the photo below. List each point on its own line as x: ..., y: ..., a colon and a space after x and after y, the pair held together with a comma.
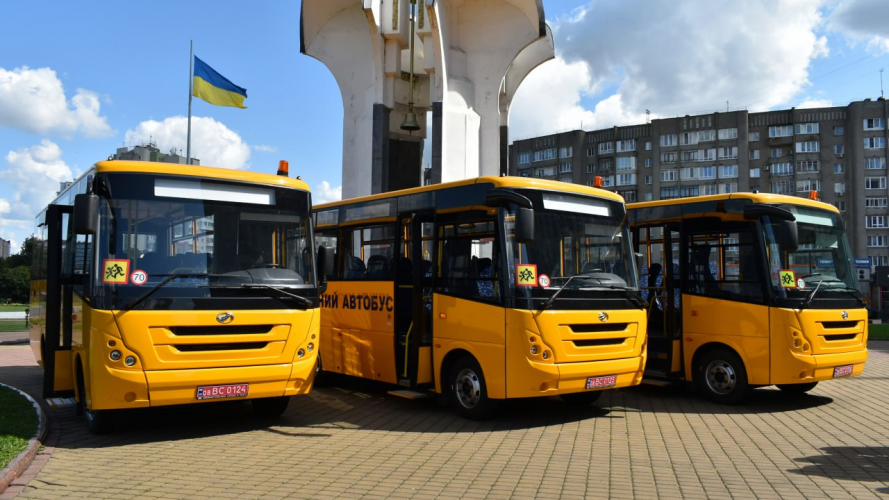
x: 353, y: 441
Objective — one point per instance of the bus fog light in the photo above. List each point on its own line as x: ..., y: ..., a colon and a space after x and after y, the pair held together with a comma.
x: 806, y: 347
x: 310, y: 347
x: 796, y: 343
x: 130, y: 361
x: 545, y: 354
x: 115, y: 355
x: 534, y: 349
x: 301, y: 353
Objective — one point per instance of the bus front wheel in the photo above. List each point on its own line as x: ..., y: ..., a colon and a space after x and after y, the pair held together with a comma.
x: 468, y: 393
x: 270, y: 407
x: 796, y: 389
x: 581, y: 399
x: 722, y: 377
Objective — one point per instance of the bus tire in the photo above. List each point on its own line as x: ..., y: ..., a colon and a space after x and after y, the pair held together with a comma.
x: 468, y: 391
x: 722, y: 377
x: 97, y: 421
x: 797, y: 389
x: 270, y: 407
x: 322, y: 378
x: 580, y: 400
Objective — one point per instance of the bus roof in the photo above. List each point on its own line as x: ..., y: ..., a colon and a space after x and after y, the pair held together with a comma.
x: 767, y: 198
x: 149, y: 167
x: 498, y: 182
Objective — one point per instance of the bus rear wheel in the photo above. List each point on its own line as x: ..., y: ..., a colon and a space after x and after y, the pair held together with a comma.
x: 97, y: 421
x: 797, y: 389
x: 581, y: 400
x: 468, y: 392
x: 722, y: 377
x: 270, y: 407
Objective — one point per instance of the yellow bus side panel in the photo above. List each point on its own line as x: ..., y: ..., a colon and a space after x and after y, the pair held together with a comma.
x: 424, y: 369
x: 476, y: 327
x: 741, y: 326
x: 63, y: 379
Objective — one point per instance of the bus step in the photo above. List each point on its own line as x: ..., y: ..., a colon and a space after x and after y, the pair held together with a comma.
x: 60, y: 402
x: 655, y: 381
x: 406, y: 394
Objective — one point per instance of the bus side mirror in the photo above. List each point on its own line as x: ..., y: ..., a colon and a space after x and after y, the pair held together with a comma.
x: 86, y: 213
x: 789, y: 235
x: 524, y: 225
x: 326, y: 260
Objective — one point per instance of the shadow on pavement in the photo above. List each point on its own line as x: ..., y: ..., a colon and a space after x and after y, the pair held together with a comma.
x: 854, y: 463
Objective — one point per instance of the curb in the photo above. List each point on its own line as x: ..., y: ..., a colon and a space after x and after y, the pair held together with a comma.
x: 18, y: 465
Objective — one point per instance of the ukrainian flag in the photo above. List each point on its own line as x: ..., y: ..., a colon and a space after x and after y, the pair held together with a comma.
x: 215, y: 88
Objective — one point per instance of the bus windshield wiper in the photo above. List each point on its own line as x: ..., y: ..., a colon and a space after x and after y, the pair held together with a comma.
x: 811, y: 296
x: 549, y: 301
x: 169, y: 278
x: 262, y: 286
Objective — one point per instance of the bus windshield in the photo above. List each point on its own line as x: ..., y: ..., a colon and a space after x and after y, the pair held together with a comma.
x: 581, y: 244
x: 186, y: 241
x: 822, y: 260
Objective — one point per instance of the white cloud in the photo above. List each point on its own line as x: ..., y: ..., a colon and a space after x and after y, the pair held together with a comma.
x: 862, y: 21
x: 213, y: 143
x: 324, y: 193
x: 33, y: 174
x: 671, y: 58
x: 815, y: 103
x: 264, y: 148
x: 34, y: 100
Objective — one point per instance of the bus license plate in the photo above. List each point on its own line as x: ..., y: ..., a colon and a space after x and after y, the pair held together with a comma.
x: 842, y: 371
x: 600, y: 382
x: 223, y: 391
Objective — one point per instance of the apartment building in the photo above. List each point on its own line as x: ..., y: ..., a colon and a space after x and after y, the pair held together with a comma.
x: 839, y: 152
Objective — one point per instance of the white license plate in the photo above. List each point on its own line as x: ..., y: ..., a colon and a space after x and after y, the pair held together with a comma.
x: 600, y: 382
x: 842, y: 371
x: 223, y: 391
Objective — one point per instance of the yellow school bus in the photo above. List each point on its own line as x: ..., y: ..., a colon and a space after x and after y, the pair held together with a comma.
x: 748, y: 290
x: 158, y: 284
x: 483, y: 290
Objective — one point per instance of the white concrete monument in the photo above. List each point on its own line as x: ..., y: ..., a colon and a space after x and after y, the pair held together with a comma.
x: 469, y: 58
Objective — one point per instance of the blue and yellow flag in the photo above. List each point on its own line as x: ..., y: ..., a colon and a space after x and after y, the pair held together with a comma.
x: 215, y: 88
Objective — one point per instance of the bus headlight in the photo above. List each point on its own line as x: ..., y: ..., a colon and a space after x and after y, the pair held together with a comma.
x: 301, y: 353
x: 534, y: 349
x: 310, y: 347
x: 130, y: 361
x: 115, y: 355
x: 545, y: 354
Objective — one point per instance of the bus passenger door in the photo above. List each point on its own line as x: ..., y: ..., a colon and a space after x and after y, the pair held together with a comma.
x: 413, y: 300
x: 659, y: 281
x: 56, y: 348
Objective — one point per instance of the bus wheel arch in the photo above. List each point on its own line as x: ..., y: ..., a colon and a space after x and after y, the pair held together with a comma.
x: 97, y: 421
x: 720, y: 374
x: 465, y: 385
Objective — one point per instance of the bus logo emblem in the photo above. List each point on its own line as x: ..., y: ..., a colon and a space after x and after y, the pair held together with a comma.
x: 603, y: 316
x: 225, y: 318
x: 845, y: 315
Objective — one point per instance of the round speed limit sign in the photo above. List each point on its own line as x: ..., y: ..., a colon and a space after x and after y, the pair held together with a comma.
x: 138, y: 277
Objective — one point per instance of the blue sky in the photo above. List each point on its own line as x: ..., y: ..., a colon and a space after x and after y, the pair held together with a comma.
x: 80, y: 79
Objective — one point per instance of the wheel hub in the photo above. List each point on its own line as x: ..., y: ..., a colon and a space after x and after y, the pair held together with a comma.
x: 721, y: 377
x: 468, y: 388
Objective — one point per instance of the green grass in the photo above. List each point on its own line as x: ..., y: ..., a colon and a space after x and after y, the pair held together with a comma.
x: 13, y: 307
x: 18, y: 423
x: 878, y: 331
x: 9, y: 325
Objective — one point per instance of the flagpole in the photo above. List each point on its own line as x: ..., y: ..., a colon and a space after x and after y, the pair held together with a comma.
x: 190, y: 91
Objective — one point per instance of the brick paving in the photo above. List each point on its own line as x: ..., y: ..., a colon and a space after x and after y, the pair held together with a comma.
x: 354, y: 441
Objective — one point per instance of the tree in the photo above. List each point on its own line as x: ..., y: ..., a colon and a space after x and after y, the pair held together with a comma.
x: 26, y: 253
x: 15, y: 283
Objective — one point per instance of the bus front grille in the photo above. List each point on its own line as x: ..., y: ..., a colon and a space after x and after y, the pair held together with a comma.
x: 845, y: 336
x: 186, y: 331
x: 599, y: 328
x: 598, y: 342
x: 833, y: 325
x: 220, y: 347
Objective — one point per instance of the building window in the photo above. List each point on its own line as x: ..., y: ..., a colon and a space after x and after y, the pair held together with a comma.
x: 688, y: 156
x: 686, y: 191
x: 648, y: 196
x: 626, y: 162
x: 874, y: 124
x: 608, y: 181
x: 649, y: 162
x: 545, y: 154
x: 807, y: 166
x: 754, y: 173
x: 874, y: 143
x: 606, y: 147
x: 783, y: 187
x: 728, y: 133
x: 839, y: 168
x: 878, y: 202
x: 566, y: 152
x: 626, y: 179
x: 754, y: 136
x: 686, y: 173
x: 707, y: 172
x: 728, y: 172
x: 875, y: 221
x: 875, y: 163
x: 525, y: 157
x: 669, y: 157
x: 839, y: 188
x: 591, y: 151
x: 839, y: 149
x: 708, y: 154
x: 785, y: 168
x: 806, y: 185
x: 526, y: 173
x: 668, y: 140
x: 709, y: 189
x: 668, y: 193
x: 648, y: 179
x: 754, y: 154
x: 878, y: 260
x: 688, y: 138
x: 807, y: 128
x: 728, y: 187
x: 807, y: 147
x: 647, y: 145
x: 781, y: 131
x: 838, y: 130
x: 706, y: 136
x: 841, y: 205
x: 565, y: 167
x: 875, y: 182
x: 728, y: 153
x: 777, y: 153
x: 606, y: 164
x: 627, y: 145
x: 591, y: 168
x: 668, y: 175
x: 546, y: 172
x: 629, y: 196
x: 566, y: 179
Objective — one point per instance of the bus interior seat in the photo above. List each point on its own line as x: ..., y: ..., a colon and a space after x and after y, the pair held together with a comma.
x: 355, y: 269
x: 378, y: 267
x: 485, y: 286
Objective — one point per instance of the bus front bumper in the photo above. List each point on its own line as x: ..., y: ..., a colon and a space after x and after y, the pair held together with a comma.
x: 551, y: 379
x: 819, y: 367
